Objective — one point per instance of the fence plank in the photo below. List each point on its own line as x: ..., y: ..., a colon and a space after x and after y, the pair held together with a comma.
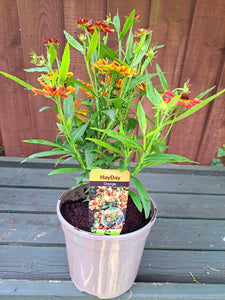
x: 46, y: 22
x: 12, y: 113
x: 214, y: 133
x: 201, y: 64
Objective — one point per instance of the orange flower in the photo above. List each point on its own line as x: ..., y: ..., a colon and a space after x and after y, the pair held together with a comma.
x: 184, y: 99
x: 81, y: 23
x: 141, y: 31
x: 89, y: 85
x: 53, y: 91
x: 79, y: 113
x: 50, y: 76
x: 103, y: 27
x: 52, y: 41
x: 102, y: 66
x: 142, y: 86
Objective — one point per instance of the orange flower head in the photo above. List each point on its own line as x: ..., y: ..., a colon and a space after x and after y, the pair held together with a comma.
x: 103, y: 27
x: 89, y: 85
x: 80, y: 114
x: 141, y: 32
x: 50, y: 76
x: 49, y: 91
x: 51, y: 41
x: 102, y: 66
x: 184, y: 101
x: 82, y: 23
x: 142, y: 86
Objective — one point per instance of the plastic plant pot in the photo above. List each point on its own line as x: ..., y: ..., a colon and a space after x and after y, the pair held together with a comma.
x: 104, y: 266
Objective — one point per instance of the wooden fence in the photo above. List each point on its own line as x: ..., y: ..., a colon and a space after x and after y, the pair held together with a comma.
x: 193, y: 32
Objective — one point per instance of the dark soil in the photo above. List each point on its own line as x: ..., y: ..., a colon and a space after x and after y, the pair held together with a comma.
x: 77, y: 214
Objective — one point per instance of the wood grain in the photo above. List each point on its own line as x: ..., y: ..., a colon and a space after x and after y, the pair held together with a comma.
x: 49, y: 290
x: 50, y: 263
x: 201, y: 64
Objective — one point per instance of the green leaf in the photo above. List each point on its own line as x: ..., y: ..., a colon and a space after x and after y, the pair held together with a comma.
x: 93, y: 45
x: 108, y: 52
x: 106, y: 145
x: 117, y: 102
x: 43, y: 142
x: 64, y: 170
x: 54, y: 78
x: 129, y: 45
x: 78, y: 132
x: 205, y: 92
x: 136, y: 199
x: 143, y: 51
x: 152, y: 94
x: 162, y: 77
x: 132, y: 123
x: 68, y: 107
x: 74, y: 43
x: 143, y: 195
x: 89, y: 153
x: 48, y: 107
x: 141, y: 118
x: 116, y: 22
x: 52, y: 54
x: 19, y: 81
x: 64, y: 68
x: 37, y: 69
x: 126, y: 140
x: 110, y: 113
x: 140, y: 44
x: 136, y: 81
x: 165, y: 158
x: 45, y: 154
x: 129, y: 22
x: 221, y: 152
x: 46, y: 79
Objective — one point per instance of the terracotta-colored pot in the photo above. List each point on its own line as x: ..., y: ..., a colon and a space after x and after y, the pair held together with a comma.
x: 104, y: 266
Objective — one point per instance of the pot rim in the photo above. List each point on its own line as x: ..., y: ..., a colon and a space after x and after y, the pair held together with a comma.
x: 104, y: 237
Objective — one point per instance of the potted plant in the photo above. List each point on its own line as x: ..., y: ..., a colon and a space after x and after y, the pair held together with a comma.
x: 97, y: 127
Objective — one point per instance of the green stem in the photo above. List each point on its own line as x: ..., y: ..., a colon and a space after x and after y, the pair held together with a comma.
x: 67, y: 133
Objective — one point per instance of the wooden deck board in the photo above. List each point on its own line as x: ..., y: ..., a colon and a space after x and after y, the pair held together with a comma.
x: 51, y: 290
x: 50, y: 263
x: 179, y: 183
x: 186, y: 244
x: 174, y: 233
x: 34, y: 200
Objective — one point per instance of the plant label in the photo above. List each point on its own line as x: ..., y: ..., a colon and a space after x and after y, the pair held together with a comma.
x: 108, y: 200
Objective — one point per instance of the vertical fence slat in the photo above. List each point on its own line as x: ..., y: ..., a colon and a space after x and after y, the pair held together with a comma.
x: 170, y: 22
x: 39, y: 20
x: 12, y: 112
x: 214, y: 133
x: 201, y: 65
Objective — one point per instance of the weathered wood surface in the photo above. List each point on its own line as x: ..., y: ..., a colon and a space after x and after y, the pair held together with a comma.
x: 192, y: 32
x: 186, y: 244
x: 51, y: 290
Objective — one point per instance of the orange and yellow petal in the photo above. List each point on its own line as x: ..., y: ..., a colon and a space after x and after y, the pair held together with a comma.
x: 142, y: 86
